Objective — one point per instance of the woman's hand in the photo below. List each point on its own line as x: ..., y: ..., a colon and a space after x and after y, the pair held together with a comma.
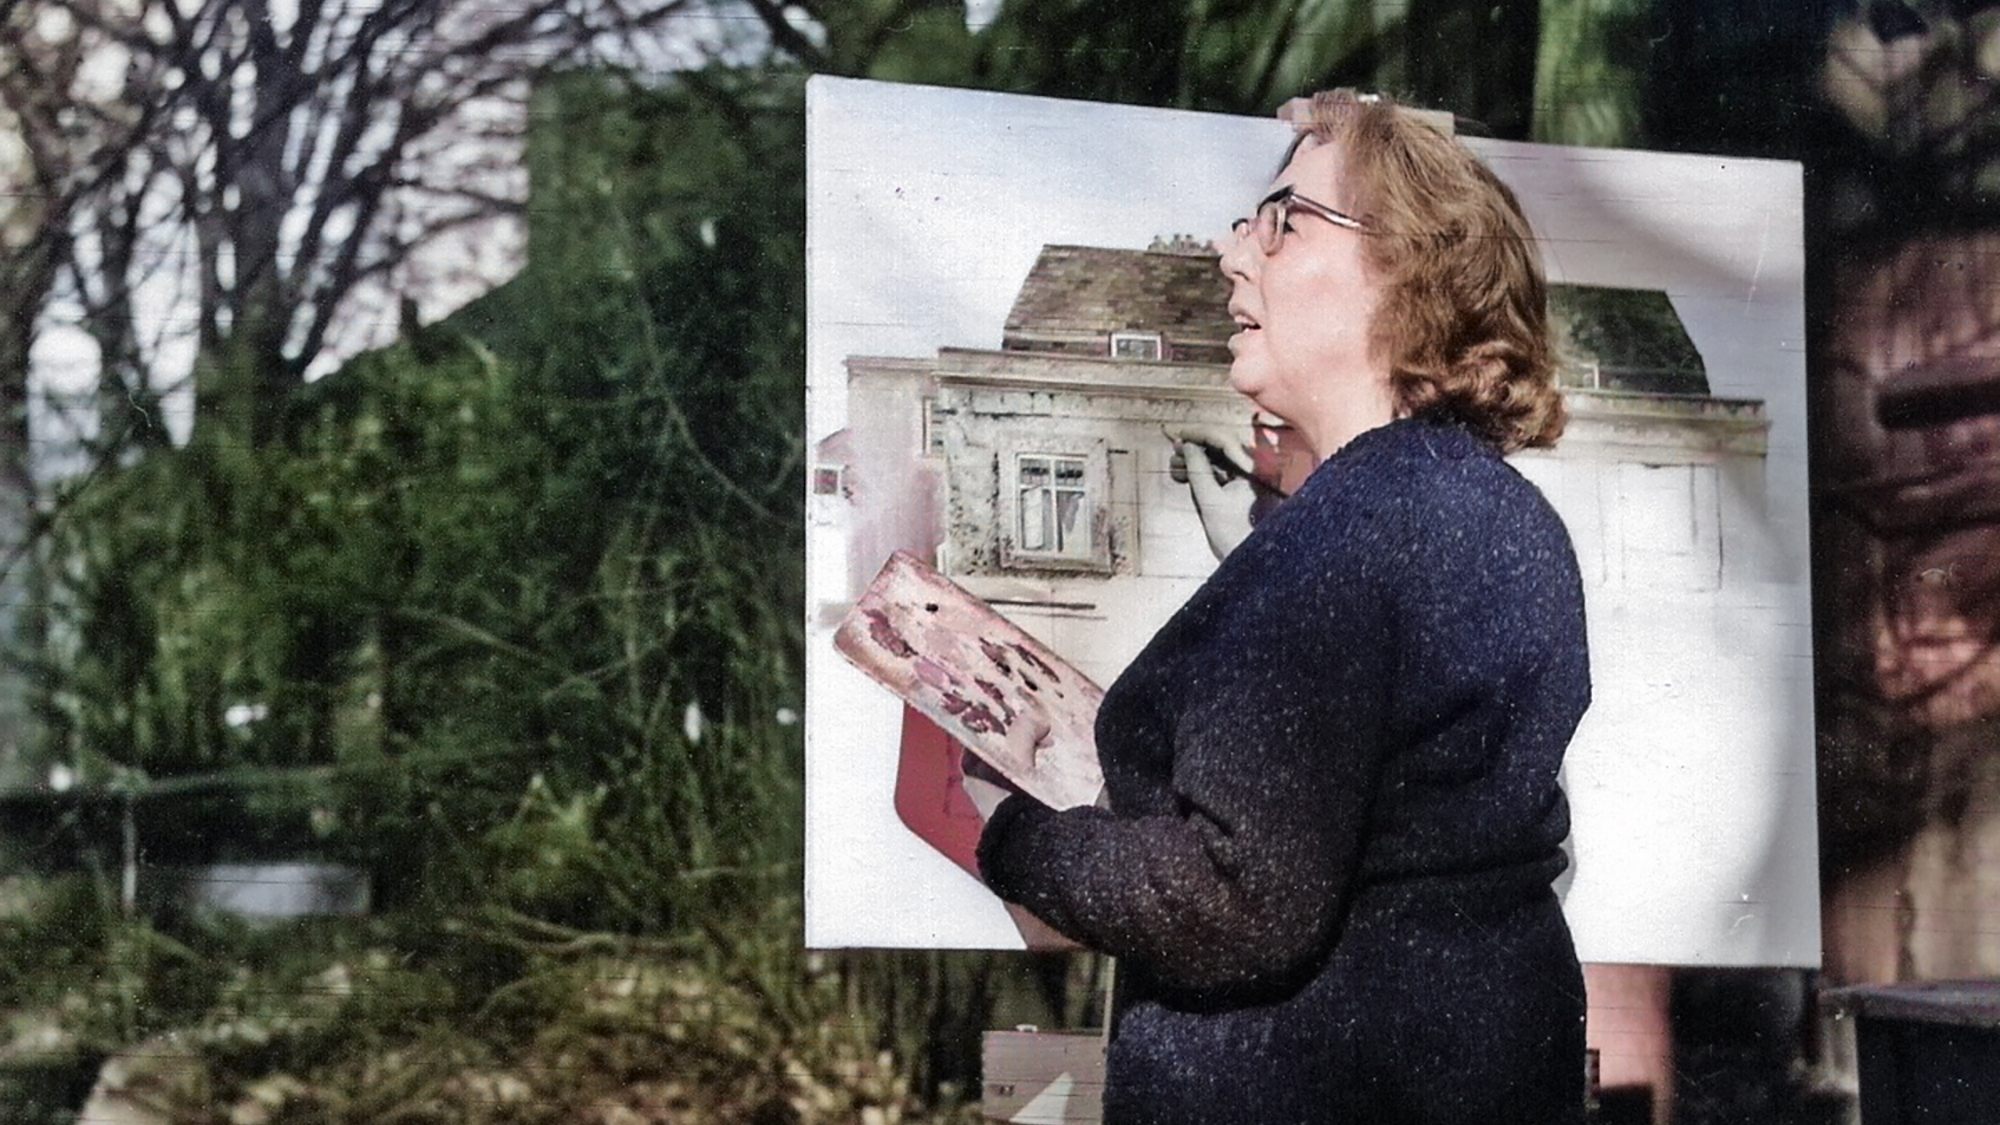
x: 1234, y: 446
x: 986, y: 786
x: 1215, y: 463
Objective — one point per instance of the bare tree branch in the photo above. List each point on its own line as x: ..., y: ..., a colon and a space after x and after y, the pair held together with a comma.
x: 296, y: 151
x: 789, y: 38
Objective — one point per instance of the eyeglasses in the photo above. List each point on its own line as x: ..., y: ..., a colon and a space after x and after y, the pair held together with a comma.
x: 1275, y: 211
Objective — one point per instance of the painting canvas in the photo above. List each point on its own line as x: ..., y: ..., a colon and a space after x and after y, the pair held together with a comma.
x: 1013, y: 301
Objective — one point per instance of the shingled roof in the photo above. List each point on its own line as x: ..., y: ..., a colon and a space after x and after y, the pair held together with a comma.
x: 1075, y: 297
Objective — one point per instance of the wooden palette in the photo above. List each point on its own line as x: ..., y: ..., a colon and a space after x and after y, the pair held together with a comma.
x: 1003, y: 694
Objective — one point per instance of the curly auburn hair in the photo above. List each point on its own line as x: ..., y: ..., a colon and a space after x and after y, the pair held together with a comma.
x: 1463, y: 319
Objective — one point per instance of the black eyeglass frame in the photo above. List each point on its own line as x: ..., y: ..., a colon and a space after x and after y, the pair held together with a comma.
x: 1278, y: 206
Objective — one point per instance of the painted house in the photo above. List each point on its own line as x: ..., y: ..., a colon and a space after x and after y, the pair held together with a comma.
x: 1039, y: 475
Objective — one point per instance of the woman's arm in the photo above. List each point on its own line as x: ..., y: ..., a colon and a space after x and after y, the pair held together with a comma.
x: 1178, y: 895
x: 1237, y: 874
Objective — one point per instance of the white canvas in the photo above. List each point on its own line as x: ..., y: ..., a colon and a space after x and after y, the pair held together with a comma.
x: 1691, y: 779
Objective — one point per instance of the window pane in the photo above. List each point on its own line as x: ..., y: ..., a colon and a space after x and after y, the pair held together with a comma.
x: 1069, y: 506
x: 1036, y: 519
x: 1053, y: 510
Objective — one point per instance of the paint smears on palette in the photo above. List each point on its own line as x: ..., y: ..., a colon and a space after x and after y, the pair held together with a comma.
x: 1003, y: 694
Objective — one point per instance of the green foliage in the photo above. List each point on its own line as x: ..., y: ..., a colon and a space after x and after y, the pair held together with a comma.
x: 893, y: 40
x: 1589, y: 78
x: 666, y: 401
x: 1243, y: 56
x: 533, y: 603
x: 513, y: 608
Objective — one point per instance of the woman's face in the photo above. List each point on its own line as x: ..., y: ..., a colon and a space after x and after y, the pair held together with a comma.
x: 1303, y: 313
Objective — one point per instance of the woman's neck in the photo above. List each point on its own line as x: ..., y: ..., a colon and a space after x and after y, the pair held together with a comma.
x: 1346, y: 416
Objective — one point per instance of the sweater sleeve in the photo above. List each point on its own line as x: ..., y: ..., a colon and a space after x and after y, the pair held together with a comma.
x: 1236, y: 874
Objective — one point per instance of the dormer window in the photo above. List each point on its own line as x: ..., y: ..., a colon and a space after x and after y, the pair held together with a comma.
x: 1137, y: 345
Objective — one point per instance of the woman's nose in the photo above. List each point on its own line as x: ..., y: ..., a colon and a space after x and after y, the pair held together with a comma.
x: 1235, y: 255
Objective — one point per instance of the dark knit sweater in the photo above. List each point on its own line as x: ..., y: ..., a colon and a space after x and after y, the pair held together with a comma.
x: 1334, y: 814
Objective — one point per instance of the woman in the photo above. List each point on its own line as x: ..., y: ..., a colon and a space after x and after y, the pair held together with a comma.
x: 1333, y: 809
